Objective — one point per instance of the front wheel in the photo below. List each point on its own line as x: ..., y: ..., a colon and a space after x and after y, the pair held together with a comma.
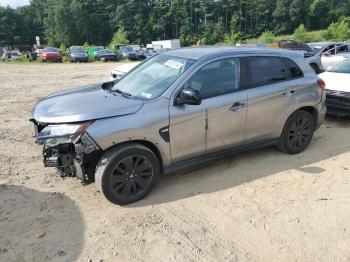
x: 297, y: 133
x: 127, y: 173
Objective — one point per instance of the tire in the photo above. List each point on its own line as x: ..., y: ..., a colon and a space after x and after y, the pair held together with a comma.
x: 127, y: 173
x: 297, y: 133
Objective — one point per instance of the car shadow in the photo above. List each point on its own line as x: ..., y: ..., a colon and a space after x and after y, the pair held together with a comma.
x: 252, y: 165
x: 38, y: 226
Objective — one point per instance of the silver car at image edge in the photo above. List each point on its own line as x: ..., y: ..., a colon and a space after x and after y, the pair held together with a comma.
x: 177, y: 110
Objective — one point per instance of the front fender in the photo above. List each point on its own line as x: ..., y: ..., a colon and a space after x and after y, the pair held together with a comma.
x: 143, y: 126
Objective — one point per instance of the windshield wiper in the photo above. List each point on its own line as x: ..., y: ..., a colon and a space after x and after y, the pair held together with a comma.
x: 125, y: 94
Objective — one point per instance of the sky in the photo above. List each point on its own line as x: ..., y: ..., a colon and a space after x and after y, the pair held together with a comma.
x: 14, y: 3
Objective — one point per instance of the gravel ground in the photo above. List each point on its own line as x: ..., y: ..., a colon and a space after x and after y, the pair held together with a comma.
x: 257, y: 206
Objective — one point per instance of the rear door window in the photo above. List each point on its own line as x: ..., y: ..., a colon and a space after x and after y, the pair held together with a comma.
x: 293, y: 69
x: 266, y: 70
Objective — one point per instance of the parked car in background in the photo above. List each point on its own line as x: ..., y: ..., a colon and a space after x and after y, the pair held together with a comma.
x: 176, y: 110
x: 10, y: 56
x: 337, y: 80
x: 51, y: 54
x: 333, y: 56
x: 129, y: 52
x: 121, y: 70
x: 6, y: 55
x: 92, y: 50
x: 144, y: 54
x: 106, y: 55
x: 77, y: 54
x: 312, y: 58
x: 15, y: 55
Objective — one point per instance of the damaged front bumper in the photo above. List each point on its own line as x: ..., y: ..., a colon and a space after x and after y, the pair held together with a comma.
x: 74, y: 153
x: 338, y: 103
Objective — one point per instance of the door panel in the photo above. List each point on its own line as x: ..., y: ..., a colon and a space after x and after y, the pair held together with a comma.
x: 226, y: 120
x: 219, y: 122
x: 266, y: 97
x: 187, y: 131
x: 266, y: 108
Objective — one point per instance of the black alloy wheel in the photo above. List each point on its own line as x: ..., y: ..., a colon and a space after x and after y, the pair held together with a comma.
x: 131, y: 176
x: 127, y: 173
x: 297, y: 132
x: 300, y: 133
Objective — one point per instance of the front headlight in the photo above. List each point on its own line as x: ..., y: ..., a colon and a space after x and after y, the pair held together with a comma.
x: 61, y: 133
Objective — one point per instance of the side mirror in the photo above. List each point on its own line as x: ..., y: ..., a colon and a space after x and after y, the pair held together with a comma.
x: 189, y: 96
x: 108, y: 85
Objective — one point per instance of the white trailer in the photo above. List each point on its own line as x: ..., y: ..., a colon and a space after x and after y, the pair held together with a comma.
x: 173, y: 44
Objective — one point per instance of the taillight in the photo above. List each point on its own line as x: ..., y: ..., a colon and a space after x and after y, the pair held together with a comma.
x: 321, y: 84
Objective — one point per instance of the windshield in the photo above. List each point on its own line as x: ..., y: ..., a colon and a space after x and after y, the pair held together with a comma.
x: 50, y: 49
x: 97, y: 48
x: 127, y: 49
x: 105, y: 51
x: 316, y: 48
x: 77, y: 50
x: 153, y: 77
x: 343, y: 67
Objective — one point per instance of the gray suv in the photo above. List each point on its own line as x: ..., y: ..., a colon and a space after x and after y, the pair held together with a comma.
x: 176, y: 110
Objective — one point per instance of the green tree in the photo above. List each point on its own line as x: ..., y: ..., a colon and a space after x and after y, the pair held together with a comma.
x: 73, y: 22
x: 119, y: 38
x: 339, y: 31
x: 300, y: 33
x: 281, y: 17
x: 267, y: 37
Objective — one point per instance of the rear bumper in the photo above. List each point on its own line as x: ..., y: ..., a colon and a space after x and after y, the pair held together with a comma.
x: 338, y: 103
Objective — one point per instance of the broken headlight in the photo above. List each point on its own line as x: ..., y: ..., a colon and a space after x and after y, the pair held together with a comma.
x: 53, y: 135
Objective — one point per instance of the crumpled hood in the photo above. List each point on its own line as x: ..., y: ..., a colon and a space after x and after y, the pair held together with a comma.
x: 82, y: 104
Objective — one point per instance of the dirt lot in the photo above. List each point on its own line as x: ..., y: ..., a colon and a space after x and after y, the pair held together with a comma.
x: 257, y: 206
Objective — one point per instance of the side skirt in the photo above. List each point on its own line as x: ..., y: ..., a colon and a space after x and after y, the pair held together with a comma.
x: 190, y: 164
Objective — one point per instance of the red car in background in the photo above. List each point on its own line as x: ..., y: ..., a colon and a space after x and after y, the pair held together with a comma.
x: 51, y: 54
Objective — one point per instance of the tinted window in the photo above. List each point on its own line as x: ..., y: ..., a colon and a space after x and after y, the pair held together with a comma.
x: 293, y: 69
x: 266, y: 70
x: 342, y: 49
x: 217, y: 78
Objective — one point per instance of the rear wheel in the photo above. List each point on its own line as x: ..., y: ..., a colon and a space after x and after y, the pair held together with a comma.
x: 297, y: 133
x: 127, y: 173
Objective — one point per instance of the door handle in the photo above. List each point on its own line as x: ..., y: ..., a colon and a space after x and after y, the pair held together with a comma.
x: 237, y: 106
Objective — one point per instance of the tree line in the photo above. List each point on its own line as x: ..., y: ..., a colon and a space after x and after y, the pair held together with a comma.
x: 74, y: 22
